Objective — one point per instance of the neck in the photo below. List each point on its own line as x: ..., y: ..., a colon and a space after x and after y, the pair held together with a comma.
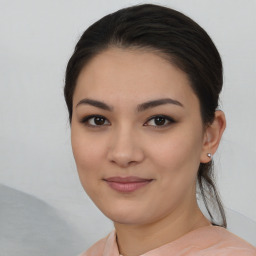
x: 134, y: 240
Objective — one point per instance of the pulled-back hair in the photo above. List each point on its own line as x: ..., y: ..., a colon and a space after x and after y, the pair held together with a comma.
x: 174, y: 37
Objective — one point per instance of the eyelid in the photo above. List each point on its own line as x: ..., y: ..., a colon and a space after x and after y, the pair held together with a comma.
x: 168, y: 118
x: 85, y: 119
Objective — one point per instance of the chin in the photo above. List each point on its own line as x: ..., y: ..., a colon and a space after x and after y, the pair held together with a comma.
x: 134, y: 216
x: 125, y: 216
x: 128, y: 220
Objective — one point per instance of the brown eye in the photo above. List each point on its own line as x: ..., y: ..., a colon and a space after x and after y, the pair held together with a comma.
x: 159, y: 121
x: 98, y: 120
x: 94, y: 120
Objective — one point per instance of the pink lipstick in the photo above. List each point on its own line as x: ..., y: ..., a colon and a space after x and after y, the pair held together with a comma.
x: 127, y: 184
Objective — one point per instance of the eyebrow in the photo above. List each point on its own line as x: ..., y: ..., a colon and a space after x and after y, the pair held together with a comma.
x: 95, y: 103
x: 141, y: 107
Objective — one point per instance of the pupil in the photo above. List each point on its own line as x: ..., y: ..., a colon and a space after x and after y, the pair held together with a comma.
x: 99, y: 120
x: 159, y: 120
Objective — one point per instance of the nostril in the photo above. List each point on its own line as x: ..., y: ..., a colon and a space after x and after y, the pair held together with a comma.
x: 124, y: 150
x: 125, y: 160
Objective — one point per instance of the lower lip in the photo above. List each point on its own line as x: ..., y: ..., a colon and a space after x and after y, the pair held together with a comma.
x: 127, y: 187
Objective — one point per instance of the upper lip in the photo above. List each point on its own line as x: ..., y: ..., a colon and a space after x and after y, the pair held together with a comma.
x: 126, y: 179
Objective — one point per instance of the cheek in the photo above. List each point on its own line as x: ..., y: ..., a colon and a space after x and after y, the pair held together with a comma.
x: 180, y: 151
x: 176, y: 161
x: 85, y: 153
x: 88, y: 156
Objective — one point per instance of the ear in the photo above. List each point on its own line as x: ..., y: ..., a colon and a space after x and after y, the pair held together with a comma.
x: 212, y: 136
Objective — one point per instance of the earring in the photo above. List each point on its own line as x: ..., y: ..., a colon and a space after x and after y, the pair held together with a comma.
x: 209, y: 155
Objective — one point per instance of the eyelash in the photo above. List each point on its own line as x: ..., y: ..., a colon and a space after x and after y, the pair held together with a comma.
x: 170, y: 121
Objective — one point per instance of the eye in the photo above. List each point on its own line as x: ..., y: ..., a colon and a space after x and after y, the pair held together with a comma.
x: 159, y: 121
x: 95, y: 120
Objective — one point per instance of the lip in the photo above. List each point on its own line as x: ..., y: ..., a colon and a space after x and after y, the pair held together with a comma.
x: 127, y: 184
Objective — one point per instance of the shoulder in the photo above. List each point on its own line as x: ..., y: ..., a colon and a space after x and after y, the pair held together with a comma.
x: 221, y: 242
x: 98, y: 248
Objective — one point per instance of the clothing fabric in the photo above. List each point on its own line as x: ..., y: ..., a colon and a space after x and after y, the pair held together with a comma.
x: 205, y: 241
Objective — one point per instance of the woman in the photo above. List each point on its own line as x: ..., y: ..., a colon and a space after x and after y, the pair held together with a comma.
x: 142, y: 91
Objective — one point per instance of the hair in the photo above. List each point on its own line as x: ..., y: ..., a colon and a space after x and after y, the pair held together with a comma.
x: 178, y: 39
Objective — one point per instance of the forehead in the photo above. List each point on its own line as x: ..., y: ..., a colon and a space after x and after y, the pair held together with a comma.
x: 134, y: 74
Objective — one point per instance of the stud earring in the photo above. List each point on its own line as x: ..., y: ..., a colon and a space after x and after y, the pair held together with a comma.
x: 209, y: 155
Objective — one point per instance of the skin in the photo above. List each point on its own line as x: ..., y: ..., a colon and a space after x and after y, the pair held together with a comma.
x: 130, y: 143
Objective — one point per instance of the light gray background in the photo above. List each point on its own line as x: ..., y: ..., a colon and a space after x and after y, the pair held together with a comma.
x: 43, y: 209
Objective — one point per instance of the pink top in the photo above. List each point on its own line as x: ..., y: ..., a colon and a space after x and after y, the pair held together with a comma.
x: 205, y: 241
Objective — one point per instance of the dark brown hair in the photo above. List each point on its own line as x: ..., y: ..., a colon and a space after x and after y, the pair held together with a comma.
x: 176, y: 38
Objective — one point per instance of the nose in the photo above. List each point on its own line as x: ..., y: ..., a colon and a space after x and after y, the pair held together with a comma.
x: 125, y: 149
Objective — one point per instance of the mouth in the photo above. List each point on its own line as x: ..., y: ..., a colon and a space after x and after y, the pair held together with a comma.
x: 127, y: 184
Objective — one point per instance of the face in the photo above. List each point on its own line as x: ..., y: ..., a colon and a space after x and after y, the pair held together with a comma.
x: 137, y: 135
